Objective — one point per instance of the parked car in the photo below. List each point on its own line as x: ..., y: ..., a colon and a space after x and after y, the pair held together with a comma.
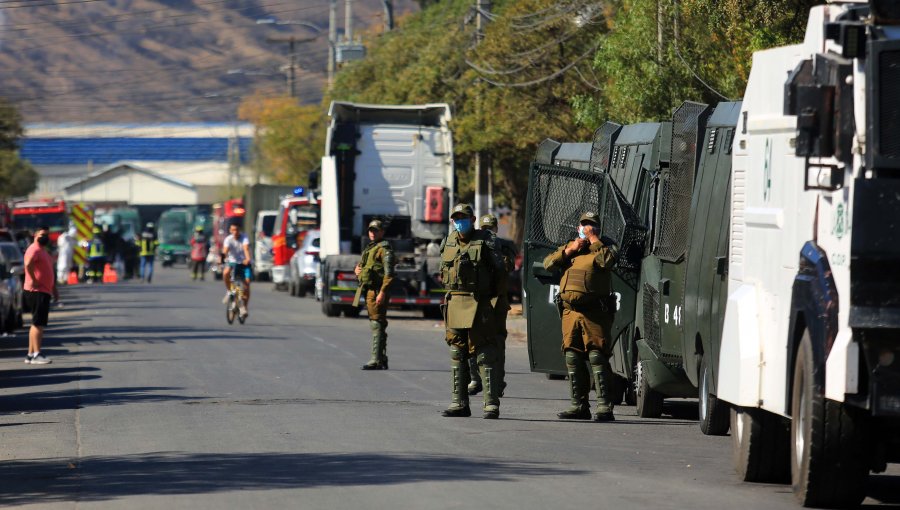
x: 12, y: 271
x: 262, y: 257
x: 304, y: 265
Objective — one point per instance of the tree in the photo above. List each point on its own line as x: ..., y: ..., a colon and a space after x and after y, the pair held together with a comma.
x: 17, y: 177
x: 290, y: 137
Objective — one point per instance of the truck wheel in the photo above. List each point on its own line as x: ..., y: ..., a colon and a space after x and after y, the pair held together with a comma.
x: 714, y: 415
x: 351, y: 312
x: 828, y: 453
x: 301, y: 289
x: 292, y: 288
x: 760, y: 445
x: 649, y: 401
x: 330, y: 309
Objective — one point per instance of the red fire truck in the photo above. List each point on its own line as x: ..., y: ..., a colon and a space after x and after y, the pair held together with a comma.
x: 29, y: 216
x: 297, y: 214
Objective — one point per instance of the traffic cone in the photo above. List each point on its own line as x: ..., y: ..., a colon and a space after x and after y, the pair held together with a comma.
x: 109, y: 274
x: 73, y: 278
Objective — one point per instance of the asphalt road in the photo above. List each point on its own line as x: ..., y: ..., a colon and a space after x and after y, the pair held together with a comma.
x: 154, y: 401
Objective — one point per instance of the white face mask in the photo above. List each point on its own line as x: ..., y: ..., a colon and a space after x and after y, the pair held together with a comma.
x: 581, y: 233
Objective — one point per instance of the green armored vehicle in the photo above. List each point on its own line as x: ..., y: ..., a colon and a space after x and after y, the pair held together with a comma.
x: 683, y: 277
x: 565, y: 181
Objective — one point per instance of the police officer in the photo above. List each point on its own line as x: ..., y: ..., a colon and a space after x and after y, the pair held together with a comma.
x: 471, y: 270
x: 587, y: 316
x: 96, y: 256
x: 508, y: 252
x: 148, y: 244
x: 375, y: 272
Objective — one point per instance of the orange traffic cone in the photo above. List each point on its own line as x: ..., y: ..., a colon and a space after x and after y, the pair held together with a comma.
x: 109, y: 274
x: 73, y: 278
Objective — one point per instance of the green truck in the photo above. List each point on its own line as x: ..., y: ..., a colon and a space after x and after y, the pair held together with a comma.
x: 174, y: 230
x: 670, y: 221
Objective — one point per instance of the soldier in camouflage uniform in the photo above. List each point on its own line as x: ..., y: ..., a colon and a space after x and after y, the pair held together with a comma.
x: 587, y: 315
x: 509, y: 252
x: 375, y: 272
x: 471, y: 270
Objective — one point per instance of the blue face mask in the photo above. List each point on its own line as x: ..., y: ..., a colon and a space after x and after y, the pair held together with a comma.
x: 463, y: 225
x: 581, y: 233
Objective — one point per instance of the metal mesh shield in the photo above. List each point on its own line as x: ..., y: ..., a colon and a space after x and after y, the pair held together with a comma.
x: 688, y: 124
x: 602, y: 145
x: 651, y: 318
x: 557, y: 198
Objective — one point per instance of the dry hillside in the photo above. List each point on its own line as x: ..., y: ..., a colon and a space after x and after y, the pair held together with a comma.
x: 161, y: 60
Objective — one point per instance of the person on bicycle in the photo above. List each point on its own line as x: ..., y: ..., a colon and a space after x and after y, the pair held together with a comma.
x: 236, y: 250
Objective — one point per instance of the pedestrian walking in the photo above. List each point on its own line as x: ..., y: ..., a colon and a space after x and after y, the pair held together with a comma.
x: 40, y: 287
x: 65, y: 255
x: 96, y: 257
x: 471, y: 270
x: 587, y: 310
x: 508, y: 252
x: 375, y: 272
x: 148, y: 244
x: 199, y: 252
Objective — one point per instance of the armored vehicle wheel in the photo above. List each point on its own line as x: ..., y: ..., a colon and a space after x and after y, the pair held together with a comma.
x: 714, y: 415
x: 649, y: 401
x: 829, y: 464
x: 351, y: 312
x: 760, y: 444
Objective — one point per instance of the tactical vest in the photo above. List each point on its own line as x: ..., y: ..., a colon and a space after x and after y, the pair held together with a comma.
x: 464, y: 266
x: 97, y: 249
x: 148, y: 245
x: 371, y: 273
x: 582, y: 283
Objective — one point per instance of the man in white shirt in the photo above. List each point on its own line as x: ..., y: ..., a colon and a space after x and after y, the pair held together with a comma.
x: 236, y: 250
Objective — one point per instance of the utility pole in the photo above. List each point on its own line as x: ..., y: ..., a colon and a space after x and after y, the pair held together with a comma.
x: 332, y: 39
x: 292, y: 66
x: 388, y: 15
x: 348, y: 21
x: 482, y: 161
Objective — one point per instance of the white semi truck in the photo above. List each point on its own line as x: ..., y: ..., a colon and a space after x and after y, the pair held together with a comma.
x: 810, y: 356
x: 393, y: 163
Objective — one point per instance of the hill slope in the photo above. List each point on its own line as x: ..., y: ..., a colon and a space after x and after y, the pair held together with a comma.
x: 161, y: 60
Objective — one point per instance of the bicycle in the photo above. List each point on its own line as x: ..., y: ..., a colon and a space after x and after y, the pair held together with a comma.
x: 234, y: 303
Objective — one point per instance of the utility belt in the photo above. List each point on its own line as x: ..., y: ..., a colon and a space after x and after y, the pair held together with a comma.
x: 594, y: 303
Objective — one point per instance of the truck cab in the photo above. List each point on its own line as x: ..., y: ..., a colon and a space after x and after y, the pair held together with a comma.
x: 297, y: 214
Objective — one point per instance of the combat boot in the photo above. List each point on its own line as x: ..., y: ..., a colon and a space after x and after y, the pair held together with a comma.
x: 379, y: 360
x: 600, y: 369
x: 459, y: 379
x: 475, y: 386
x: 486, y: 365
x: 578, y: 388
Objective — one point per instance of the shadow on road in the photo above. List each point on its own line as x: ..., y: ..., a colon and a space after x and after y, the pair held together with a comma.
x: 44, y: 376
x: 103, y: 478
x: 76, y: 398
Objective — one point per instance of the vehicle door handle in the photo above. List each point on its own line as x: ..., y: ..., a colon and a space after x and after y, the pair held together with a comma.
x: 722, y: 266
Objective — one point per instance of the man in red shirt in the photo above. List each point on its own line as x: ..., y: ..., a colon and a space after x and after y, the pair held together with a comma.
x: 40, y: 286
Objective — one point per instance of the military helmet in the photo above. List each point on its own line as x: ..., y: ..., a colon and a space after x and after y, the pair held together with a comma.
x: 376, y: 225
x: 462, y: 208
x: 590, y: 217
x: 487, y: 221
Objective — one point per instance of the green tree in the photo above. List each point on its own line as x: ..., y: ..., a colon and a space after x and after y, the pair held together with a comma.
x: 290, y: 137
x: 658, y: 53
x: 17, y: 177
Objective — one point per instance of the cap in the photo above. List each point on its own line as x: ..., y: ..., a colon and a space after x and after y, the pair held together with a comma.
x: 376, y: 225
x: 591, y: 217
x: 488, y: 220
x: 462, y: 209
x: 199, y: 228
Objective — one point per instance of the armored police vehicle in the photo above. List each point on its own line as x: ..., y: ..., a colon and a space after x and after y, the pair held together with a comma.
x: 810, y: 355
x: 393, y: 163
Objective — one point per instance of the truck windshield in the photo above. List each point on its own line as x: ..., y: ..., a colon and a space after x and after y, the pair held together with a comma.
x: 173, y: 229
x: 56, y: 221
x: 268, y: 225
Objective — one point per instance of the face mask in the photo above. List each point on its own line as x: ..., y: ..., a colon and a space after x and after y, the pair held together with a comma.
x: 463, y: 226
x: 43, y: 240
x: 581, y: 233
